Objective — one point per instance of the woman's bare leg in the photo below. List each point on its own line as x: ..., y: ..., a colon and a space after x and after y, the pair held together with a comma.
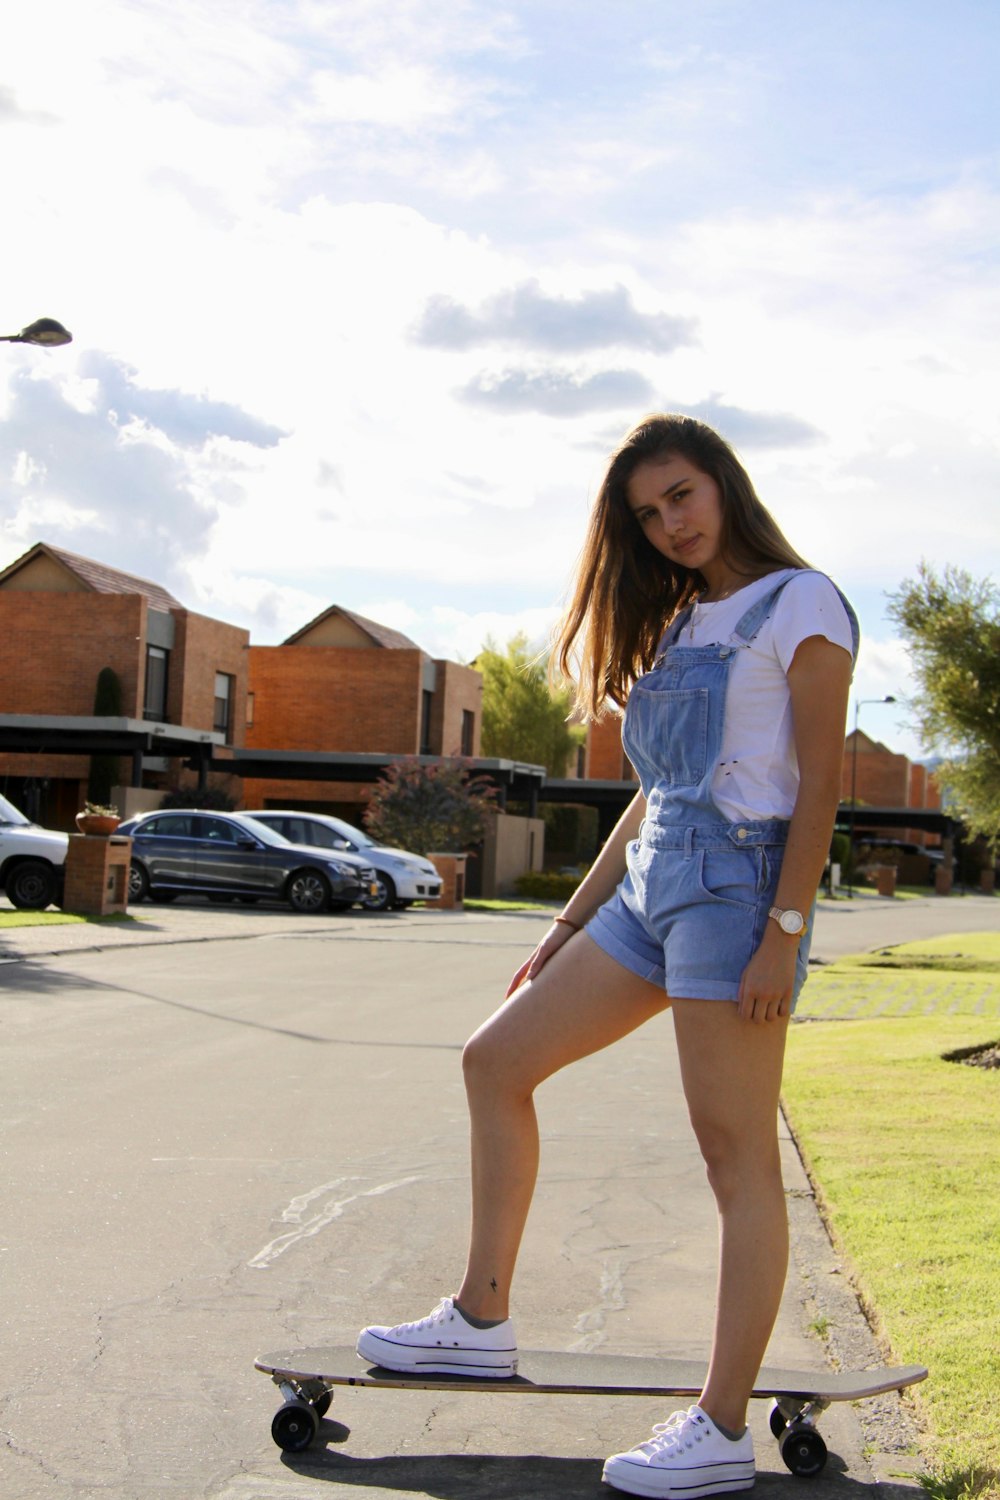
x: 580, y: 1002
x: 731, y: 1071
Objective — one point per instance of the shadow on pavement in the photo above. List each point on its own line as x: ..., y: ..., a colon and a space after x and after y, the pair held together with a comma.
x: 484, y: 1476
x: 37, y: 977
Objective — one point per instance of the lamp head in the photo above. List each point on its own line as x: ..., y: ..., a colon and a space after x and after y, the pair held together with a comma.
x: 44, y: 331
x: 47, y: 332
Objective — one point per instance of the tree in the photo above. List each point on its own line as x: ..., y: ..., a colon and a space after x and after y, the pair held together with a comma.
x: 523, y: 718
x: 439, y: 808
x: 951, y: 624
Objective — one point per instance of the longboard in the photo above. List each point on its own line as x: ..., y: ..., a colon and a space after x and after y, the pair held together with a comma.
x: 306, y: 1378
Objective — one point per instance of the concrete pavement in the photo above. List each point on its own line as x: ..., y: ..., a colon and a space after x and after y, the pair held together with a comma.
x: 843, y: 926
x: 174, y: 1076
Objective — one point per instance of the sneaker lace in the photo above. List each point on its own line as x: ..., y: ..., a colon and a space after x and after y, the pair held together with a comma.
x: 439, y: 1314
x: 682, y: 1430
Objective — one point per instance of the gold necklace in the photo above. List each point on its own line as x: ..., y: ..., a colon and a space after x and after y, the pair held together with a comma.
x: 726, y: 594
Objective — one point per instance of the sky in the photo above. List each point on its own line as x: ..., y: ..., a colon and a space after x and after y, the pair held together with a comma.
x: 363, y: 293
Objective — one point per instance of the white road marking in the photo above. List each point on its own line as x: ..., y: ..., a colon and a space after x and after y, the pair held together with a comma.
x: 332, y: 1210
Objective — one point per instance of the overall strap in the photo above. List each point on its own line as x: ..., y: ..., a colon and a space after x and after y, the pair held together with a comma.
x: 674, y: 629
x: 750, y: 624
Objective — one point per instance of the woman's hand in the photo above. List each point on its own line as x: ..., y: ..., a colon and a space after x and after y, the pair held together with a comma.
x: 597, y: 885
x: 769, y: 978
x: 557, y: 936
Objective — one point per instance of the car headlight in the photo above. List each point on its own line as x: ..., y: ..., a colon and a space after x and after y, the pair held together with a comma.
x: 346, y: 872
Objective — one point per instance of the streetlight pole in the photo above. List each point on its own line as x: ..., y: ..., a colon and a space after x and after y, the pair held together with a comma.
x: 859, y: 704
x: 44, y: 331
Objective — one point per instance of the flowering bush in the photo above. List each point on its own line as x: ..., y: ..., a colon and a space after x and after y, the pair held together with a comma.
x: 430, y: 808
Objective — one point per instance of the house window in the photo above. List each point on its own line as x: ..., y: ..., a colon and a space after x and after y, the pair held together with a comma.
x: 427, y: 705
x: 222, y: 719
x: 155, y: 701
x: 249, y: 710
x: 468, y: 731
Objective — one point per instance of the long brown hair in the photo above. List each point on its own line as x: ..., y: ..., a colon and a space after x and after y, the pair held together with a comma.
x: 626, y: 592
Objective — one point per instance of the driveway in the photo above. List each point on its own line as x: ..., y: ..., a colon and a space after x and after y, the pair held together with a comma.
x: 227, y: 1132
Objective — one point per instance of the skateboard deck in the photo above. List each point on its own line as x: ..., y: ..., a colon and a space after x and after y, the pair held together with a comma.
x: 306, y: 1378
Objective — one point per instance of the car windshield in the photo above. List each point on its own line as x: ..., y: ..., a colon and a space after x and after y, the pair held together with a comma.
x: 348, y: 831
x: 10, y: 814
x: 262, y: 831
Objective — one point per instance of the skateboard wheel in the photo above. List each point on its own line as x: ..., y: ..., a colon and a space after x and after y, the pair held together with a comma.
x: 776, y: 1421
x: 803, y: 1451
x: 322, y: 1404
x: 294, y: 1427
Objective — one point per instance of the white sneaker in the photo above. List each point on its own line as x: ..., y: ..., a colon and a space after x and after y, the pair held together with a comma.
x: 443, y: 1343
x: 687, y: 1456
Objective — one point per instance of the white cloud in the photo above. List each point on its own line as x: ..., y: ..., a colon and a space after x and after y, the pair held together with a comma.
x: 244, y: 211
x: 443, y: 631
x: 396, y: 96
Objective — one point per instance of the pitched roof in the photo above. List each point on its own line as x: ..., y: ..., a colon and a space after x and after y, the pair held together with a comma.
x: 380, y: 635
x: 99, y: 577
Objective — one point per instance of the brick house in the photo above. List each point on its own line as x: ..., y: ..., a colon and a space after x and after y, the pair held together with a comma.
x: 887, y: 779
x: 62, y: 619
x: 341, y: 683
x: 346, y: 683
x: 605, y: 758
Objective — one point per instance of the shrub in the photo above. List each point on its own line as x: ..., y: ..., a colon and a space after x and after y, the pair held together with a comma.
x: 430, y: 809
x: 840, y: 852
x: 542, y: 886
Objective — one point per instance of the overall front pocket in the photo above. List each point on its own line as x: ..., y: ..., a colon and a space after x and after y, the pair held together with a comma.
x: 666, y: 734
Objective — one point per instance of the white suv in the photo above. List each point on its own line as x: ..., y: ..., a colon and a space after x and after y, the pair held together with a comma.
x: 402, y: 877
x: 32, y: 860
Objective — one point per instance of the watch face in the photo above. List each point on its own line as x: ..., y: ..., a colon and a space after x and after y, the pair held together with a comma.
x: 791, y: 922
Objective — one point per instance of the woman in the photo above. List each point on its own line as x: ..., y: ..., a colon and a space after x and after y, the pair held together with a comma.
x: 701, y: 900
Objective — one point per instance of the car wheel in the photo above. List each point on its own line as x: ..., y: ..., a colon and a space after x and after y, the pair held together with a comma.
x: 138, y: 883
x: 308, y: 892
x: 385, y: 896
x: 32, y: 885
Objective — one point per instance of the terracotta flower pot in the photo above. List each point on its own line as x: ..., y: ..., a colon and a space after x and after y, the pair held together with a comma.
x: 99, y: 824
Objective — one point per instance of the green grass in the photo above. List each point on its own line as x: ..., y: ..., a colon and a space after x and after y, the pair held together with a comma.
x: 902, y: 1147
x: 957, y: 976
x: 903, y: 893
x: 478, y: 903
x: 53, y: 918
x: 965, y: 953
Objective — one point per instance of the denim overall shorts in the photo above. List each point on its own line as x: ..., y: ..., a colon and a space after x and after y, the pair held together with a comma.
x: 694, y: 903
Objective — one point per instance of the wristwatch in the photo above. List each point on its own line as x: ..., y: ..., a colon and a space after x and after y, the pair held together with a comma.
x: 789, y: 920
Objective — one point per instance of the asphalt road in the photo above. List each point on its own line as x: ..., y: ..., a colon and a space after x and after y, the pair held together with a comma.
x: 234, y: 1132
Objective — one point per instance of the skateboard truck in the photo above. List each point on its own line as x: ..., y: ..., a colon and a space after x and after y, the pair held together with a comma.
x: 793, y: 1423
x: 296, y: 1423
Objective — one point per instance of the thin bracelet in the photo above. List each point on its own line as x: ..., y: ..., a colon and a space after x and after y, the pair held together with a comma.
x: 569, y: 923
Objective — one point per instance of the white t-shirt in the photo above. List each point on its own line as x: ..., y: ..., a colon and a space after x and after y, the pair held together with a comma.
x: 758, y: 774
